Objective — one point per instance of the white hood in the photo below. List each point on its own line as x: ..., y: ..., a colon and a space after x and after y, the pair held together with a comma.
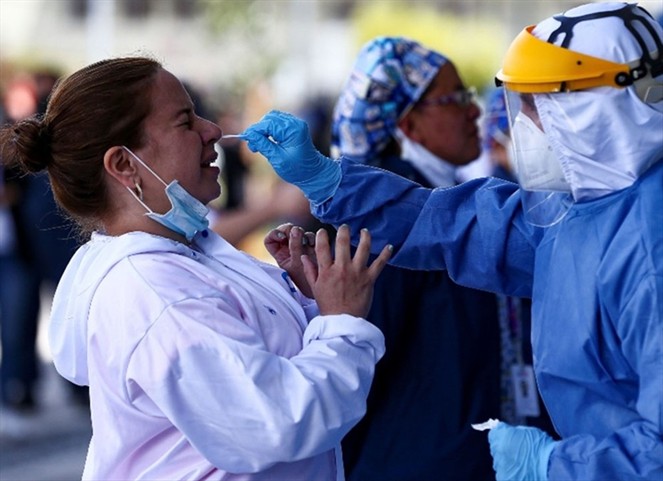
x: 605, y: 137
x: 73, y: 296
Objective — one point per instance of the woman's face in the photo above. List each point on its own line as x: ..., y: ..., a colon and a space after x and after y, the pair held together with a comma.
x: 179, y: 145
x: 448, y: 131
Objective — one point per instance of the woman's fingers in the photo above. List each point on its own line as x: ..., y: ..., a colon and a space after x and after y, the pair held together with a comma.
x: 342, y: 253
x: 310, y: 270
x: 278, y: 235
x: 296, y: 243
x: 322, y: 249
x: 363, y: 252
x: 309, y: 238
x: 275, y: 241
x: 363, y: 249
x: 380, y: 262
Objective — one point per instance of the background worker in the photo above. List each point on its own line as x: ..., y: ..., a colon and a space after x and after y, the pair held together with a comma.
x: 404, y: 108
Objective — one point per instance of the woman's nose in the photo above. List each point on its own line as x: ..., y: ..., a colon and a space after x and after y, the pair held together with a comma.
x: 210, y: 132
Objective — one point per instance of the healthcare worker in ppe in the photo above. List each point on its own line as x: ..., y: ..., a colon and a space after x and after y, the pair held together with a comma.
x: 202, y: 362
x: 582, y: 235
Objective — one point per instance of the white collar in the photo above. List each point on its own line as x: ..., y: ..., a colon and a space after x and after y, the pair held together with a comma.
x: 437, y: 171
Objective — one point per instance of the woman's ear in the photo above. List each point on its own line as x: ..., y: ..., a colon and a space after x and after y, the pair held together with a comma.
x: 119, y: 165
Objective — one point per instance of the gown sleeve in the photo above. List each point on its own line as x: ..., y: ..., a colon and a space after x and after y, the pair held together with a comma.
x: 475, y: 230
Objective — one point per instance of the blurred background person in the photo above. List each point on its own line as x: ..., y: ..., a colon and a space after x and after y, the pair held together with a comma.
x: 405, y: 109
x: 37, y: 243
x: 19, y: 279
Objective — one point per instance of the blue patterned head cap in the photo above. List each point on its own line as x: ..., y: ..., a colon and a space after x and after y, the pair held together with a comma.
x: 496, y: 119
x: 389, y: 77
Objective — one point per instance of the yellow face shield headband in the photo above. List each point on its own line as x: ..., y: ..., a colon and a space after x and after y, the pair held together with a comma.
x: 534, y: 66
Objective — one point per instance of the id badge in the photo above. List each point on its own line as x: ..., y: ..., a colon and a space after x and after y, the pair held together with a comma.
x: 524, y: 388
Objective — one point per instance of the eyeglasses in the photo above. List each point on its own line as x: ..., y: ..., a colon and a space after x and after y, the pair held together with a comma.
x: 462, y: 98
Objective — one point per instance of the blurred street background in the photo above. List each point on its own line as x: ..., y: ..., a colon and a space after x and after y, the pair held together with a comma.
x: 239, y: 59
x: 261, y: 54
x: 48, y: 444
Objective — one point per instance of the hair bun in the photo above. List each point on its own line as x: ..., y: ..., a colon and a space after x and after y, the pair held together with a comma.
x: 44, y: 136
x: 27, y: 144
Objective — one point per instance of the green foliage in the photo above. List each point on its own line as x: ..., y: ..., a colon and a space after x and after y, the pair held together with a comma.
x: 474, y: 45
x: 227, y: 15
x: 241, y: 27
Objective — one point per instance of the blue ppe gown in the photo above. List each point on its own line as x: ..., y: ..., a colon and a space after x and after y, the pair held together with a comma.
x: 596, y: 281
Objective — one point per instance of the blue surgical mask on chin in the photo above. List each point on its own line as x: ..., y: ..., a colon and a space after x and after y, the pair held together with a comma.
x: 187, y: 216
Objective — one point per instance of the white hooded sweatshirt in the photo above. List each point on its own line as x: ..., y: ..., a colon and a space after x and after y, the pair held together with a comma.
x: 202, y: 363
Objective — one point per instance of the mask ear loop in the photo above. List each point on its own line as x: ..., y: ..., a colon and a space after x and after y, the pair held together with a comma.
x: 145, y: 165
x: 139, y: 197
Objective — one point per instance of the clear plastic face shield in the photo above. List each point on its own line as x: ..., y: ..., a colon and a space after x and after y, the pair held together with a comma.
x: 546, y: 194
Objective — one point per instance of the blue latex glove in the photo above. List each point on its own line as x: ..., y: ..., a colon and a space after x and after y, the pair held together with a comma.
x: 520, y: 453
x: 286, y: 143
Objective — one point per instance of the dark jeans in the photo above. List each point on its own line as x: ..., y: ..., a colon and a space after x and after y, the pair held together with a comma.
x: 19, y: 317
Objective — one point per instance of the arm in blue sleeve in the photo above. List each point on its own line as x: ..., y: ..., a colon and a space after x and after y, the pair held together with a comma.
x: 475, y: 230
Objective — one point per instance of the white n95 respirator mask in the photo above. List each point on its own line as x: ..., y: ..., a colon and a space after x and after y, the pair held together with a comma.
x: 537, y: 166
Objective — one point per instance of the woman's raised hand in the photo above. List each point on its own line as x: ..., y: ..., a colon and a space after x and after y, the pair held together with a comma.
x: 344, y: 284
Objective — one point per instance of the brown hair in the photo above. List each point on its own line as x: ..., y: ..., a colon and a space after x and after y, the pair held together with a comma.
x: 95, y: 108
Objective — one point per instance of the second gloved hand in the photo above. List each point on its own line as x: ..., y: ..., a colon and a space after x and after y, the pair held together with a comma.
x: 286, y: 143
x: 520, y: 453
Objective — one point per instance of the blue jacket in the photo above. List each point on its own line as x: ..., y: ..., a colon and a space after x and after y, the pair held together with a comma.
x: 440, y: 373
x: 596, y: 280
